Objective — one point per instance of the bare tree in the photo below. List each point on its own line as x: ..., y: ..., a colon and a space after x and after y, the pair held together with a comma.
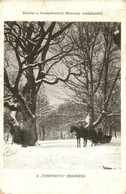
x: 97, y: 85
x: 29, y: 58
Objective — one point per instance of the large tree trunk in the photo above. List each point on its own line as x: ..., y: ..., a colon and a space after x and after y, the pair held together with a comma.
x: 29, y: 134
x: 25, y: 133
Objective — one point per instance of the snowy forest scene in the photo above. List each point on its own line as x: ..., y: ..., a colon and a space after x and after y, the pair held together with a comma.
x: 62, y: 103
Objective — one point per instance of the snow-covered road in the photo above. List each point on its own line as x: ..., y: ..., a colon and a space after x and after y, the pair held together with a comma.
x: 63, y: 154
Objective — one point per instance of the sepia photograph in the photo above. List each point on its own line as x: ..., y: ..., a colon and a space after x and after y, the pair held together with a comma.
x: 62, y: 95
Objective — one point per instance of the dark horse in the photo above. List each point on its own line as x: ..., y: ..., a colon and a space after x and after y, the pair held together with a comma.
x: 85, y: 134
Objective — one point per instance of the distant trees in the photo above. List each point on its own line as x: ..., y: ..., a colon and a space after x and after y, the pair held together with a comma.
x: 43, y: 109
x: 58, y: 120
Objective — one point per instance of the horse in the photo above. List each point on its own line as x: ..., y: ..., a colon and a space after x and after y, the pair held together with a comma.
x: 80, y: 133
x: 85, y: 134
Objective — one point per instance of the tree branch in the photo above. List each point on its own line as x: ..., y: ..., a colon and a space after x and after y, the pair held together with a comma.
x: 57, y: 79
x: 62, y: 30
x: 109, y: 96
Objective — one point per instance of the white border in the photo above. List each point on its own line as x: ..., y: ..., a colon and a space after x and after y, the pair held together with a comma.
x: 96, y: 181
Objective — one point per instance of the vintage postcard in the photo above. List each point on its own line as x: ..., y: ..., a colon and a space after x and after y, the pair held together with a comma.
x: 62, y: 95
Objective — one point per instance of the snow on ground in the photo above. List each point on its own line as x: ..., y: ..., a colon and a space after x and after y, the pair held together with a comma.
x: 63, y: 154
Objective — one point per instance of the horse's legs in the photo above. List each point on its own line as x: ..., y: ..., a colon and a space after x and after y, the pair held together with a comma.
x: 84, y: 142
x: 84, y: 145
x: 78, y: 143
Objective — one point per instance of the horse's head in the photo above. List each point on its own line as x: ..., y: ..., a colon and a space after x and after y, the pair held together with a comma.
x: 73, y: 129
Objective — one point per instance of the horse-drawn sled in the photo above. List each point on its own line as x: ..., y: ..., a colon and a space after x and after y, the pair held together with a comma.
x: 91, y: 135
